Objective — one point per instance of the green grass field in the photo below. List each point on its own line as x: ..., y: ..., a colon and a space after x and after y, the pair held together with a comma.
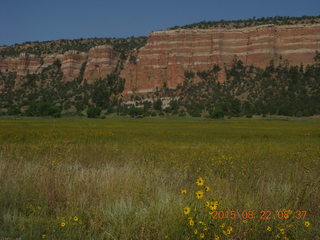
x: 122, y: 179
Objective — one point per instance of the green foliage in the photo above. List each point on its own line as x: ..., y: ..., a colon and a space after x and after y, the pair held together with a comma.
x: 13, y: 110
x: 93, y: 112
x: 277, y: 20
x: 103, y: 89
x: 194, y: 110
x: 157, y: 104
x: 122, y: 45
x: 216, y: 112
x: 136, y: 112
x: 276, y: 90
x: 43, y: 109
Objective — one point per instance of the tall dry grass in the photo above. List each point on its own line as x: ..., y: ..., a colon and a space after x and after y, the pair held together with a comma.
x: 122, y: 179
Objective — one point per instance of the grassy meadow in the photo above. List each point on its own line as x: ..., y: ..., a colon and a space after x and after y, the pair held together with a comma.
x: 159, y: 179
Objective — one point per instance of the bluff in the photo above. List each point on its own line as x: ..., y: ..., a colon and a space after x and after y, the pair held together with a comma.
x: 168, y: 54
x: 99, y: 61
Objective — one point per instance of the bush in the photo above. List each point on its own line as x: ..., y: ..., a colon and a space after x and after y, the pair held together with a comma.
x: 93, y: 112
x: 43, y: 109
x: 216, y: 113
x: 135, y: 112
x: 157, y: 105
x: 194, y: 110
x: 13, y: 110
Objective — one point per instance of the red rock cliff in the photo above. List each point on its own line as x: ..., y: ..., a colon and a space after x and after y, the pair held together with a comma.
x: 101, y: 61
x: 168, y: 54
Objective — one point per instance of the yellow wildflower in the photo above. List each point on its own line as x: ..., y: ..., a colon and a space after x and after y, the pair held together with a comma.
x: 207, y: 188
x: 286, y: 238
x: 269, y: 229
x: 282, y: 230
x: 200, y: 181
x: 43, y: 236
x: 199, y: 194
x: 216, y: 238
x: 191, y: 222
x: 307, y: 223
x: 201, y: 235
x: 75, y: 218
x: 207, y: 204
x: 222, y: 225
x: 214, y: 205
x: 202, y: 223
x: 183, y: 191
x: 186, y: 210
x: 229, y: 229
x: 63, y: 224
x: 195, y: 231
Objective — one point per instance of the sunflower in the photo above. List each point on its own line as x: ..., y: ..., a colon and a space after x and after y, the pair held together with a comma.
x: 186, y: 210
x: 307, y: 223
x: 200, y: 181
x: 216, y: 238
x: 229, y: 229
x: 63, y: 224
x: 75, y: 218
x: 201, y: 235
x: 207, y: 188
x: 191, y: 222
x: 202, y: 223
x: 183, y: 191
x: 199, y: 194
x: 214, y: 205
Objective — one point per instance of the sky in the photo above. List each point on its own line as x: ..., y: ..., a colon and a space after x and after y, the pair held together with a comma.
x: 41, y: 20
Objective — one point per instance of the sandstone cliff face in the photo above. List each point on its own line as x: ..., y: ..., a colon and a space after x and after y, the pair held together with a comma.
x: 168, y: 54
x: 100, y: 60
x: 71, y: 62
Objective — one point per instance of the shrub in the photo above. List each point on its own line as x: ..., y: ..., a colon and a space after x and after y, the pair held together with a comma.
x: 43, y: 109
x: 93, y: 112
x: 157, y: 105
x: 135, y: 112
x: 216, y: 112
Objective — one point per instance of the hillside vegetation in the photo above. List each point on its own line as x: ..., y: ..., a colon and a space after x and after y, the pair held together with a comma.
x: 122, y: 45
x: 278, y: 20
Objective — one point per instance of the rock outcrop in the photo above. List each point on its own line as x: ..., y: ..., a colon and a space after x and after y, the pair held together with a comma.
x: 168, y: 54
x: 101, y: 61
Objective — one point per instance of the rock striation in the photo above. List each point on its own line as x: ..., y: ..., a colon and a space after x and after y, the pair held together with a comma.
x: 168, y: 54
x: 100, y: 61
